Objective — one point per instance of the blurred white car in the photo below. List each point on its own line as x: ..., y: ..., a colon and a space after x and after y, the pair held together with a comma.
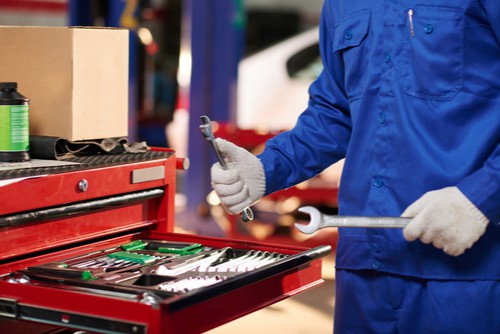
x: 273, y: 83
x: 273, y: 89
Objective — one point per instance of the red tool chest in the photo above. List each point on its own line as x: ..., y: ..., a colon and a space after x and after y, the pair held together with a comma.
x: 91, y: 247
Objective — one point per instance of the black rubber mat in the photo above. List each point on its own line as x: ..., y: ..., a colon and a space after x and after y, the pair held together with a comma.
x: 86, y: 162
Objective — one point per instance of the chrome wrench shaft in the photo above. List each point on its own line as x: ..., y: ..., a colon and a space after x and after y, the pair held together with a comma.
x: 320, y: 220
x: 206, y: 130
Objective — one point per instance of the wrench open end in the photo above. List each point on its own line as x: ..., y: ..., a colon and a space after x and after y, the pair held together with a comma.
x: 313, y: 224
x: 206, y: 128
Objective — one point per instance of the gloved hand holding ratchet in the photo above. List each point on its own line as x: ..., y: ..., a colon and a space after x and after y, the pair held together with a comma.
x: 243, y: 182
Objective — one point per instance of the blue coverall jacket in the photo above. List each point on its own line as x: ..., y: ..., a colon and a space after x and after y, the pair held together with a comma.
x: 410, y: 95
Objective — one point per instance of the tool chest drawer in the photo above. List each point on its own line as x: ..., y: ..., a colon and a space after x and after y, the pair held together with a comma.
x: 156, y: 283
x: 88, y: 178
x: 93, y: 248
x: 50, y: 208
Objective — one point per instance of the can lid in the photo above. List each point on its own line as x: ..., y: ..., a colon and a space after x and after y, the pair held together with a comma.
x: 8, y: 85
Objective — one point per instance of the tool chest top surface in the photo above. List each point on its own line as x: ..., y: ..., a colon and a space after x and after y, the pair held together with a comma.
x: 105, y: 175
x: 86, y: 162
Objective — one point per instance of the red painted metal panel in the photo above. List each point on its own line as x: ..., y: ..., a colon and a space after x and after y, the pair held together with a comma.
x: 38, y: 243
x: 60, y: 189
x: 57, y: 189
x: 210, y: 312
x: 56, y: 6
x: 31, y: 238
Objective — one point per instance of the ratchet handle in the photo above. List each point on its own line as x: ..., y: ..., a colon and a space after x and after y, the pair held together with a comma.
x: 247, y: 213
x: 206, y: 130
x: 218, y: 153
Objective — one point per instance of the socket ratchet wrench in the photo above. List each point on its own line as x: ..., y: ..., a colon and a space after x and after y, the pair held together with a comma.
x: 206, y: 130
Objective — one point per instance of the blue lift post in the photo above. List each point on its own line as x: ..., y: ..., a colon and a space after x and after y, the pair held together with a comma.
x: 217, y: 38
x: 217, y: 45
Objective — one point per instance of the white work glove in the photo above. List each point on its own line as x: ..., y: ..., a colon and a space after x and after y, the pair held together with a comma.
x: 243, y: 183
x: 447, y: 219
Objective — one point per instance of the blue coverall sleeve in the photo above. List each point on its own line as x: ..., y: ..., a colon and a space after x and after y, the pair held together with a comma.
x: 322, y: 132
x: 483, y: 186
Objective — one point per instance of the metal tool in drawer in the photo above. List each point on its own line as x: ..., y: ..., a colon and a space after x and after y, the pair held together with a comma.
x: 152, y: 270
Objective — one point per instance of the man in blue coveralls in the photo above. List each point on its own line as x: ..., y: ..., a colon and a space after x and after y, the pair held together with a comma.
x: 410, y: 96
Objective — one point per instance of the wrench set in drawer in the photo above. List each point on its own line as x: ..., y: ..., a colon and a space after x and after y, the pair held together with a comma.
x: 160, y: 269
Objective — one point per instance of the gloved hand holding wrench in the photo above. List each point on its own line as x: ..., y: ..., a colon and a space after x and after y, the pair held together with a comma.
x: 454, y: 230
x: 238, y: 178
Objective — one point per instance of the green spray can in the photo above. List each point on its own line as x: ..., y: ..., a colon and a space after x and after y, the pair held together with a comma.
x: 14, y: 124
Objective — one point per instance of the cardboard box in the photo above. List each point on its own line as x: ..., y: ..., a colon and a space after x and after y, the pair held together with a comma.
x: 75, y: 77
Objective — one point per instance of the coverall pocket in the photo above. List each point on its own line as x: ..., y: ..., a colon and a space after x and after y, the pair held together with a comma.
x: 432, y: 53
x: 348, y: 40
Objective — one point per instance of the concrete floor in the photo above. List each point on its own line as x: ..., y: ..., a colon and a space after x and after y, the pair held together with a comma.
x: 306, y: 313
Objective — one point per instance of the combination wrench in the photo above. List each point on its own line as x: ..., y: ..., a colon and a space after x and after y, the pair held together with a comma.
x: 320, y: 220
x: 206, y: 130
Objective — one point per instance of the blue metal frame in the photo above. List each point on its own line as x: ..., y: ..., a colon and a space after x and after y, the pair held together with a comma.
x: 80, y: 13
x: 216, y: 46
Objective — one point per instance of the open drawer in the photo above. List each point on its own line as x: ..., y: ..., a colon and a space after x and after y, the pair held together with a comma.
x: 156, y: 283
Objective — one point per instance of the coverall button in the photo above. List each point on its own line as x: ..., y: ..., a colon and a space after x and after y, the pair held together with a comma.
x: 377, y: 265
x: 348, y: 35
x: 381, y: 117
x: 387, y: 58
x: 375, y: 248
x: 429, y: 28
x: 378, y: 182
